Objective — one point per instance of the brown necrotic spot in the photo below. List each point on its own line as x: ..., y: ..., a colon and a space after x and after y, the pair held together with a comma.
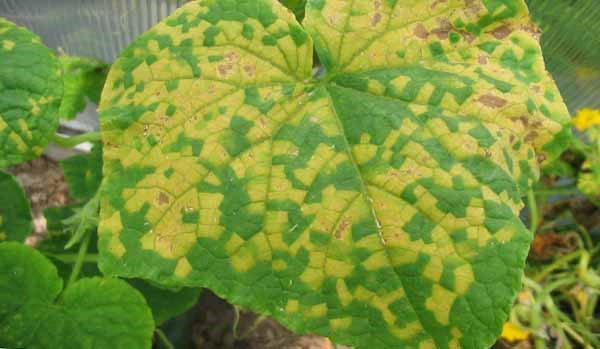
x: 492, y: 101
x: 163, y: 198
x: 231, y: 56
x: 442, y: 31
x: 250, y: 69
x: 225, y: 69
x: 342, y: 228
x: 376, y: 19
x: 530, y: 136
x: 482, y: 59
x: 501, y: 32
x: 420, y: 31
x: 468, y: 37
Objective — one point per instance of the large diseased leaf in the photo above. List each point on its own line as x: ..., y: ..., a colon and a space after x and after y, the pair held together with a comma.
x: 15, y: 212
x: 91, y: 313
x: 30, y: 94
x: 377, y: 204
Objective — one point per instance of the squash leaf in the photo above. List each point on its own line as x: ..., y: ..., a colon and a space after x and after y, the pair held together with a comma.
x: 166, y: 303
x: 91, y: 313
x: 375, y: 203
x: 30, y: 94
x: 83, y: 81
x: 15, y: 212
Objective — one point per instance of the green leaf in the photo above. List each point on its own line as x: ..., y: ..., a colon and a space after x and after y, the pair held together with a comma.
x: 83, y: 173
x: 30, y: 94
x: 83, y: 80
x: 92, y: 313
x: 166, y: 303
x: 15, y: 212
x: 84, y: 220
x: 296, y: 6
x: 376, y: 204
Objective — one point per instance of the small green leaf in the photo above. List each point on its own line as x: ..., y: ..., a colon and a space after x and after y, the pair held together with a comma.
x: 55, y: 217
x: 296, y: 6
x: 92, y: 313
x: 15, y: 212
x: 84, y: 220
x: 83, y: 80
x: 166, y: 303
x: 30, y: 94
x: 83, y: 173
x: 376, y: 203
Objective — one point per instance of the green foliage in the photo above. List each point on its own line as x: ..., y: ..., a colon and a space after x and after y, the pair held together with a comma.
x: 92, y: 313
x: 83, y: 173
x: 30, y: 93
x: 166, y: 303
x: 376, y: 203
x: 296, y: 6
x: 15, y: 213
x: 83, y: 80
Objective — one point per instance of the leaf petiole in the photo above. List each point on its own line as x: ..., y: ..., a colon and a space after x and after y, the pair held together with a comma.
x: 72, y: 257
x: 163, y: 338
x: 80, y: 258
x: 70, y: 142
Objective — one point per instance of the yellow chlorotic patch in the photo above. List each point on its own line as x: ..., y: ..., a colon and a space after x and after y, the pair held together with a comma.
x: 8, y: 45
x: 183, y: 268
x: 440, y: 303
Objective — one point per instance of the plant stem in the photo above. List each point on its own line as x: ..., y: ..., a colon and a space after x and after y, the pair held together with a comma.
x: 259, y: 320
x: 80, y: 257
x: 163, y: 338
x: 236, y: 322
x: 70, y: 142
x: 534, y: 218
x: 567, y: 190
x: 72, y: 257
x: 555, y: 265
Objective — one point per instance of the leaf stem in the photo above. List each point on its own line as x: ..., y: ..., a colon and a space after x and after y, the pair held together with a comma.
x: 555, y: 265
x: 72, y: 257
x: 236, y: 322
x: 80, y: 258
x: 163, y: 338
x: 259, y: 320
x: 70, y: 142
x: 534, y: 218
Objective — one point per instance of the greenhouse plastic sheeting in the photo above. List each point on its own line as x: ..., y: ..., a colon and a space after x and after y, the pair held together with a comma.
x: 93, y: 28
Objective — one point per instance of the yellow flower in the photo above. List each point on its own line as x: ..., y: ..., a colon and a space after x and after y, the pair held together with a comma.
x: 513, y: 333
x: 586, y: 118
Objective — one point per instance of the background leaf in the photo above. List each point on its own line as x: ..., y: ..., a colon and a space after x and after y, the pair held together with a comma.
x: 92, y: 313
x: 30, y: 93
x: 15, y: 212
x: 83, y: 81
x: 166, y: 303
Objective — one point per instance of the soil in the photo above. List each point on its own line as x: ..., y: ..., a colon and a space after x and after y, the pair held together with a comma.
x: 45, y: 185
